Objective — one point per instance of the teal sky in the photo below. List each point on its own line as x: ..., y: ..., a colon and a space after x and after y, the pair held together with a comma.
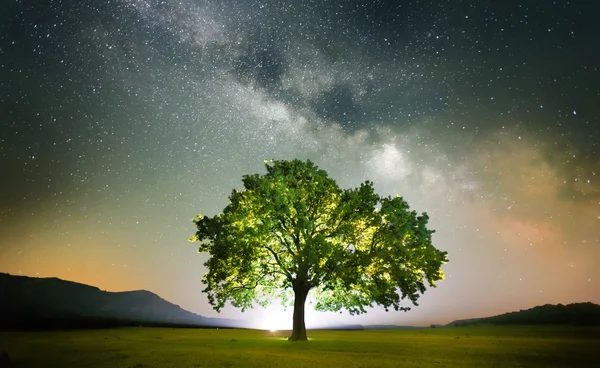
x: 121, y: 121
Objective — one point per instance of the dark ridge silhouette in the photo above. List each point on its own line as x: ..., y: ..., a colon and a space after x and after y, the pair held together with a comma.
x: 578, y: 314
x: 29, y: 303
x: 52, y: 303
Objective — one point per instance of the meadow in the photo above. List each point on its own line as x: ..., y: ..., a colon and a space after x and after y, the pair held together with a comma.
x: 477, y: 346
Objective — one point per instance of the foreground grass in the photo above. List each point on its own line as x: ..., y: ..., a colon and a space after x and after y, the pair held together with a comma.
x: 447, y: 347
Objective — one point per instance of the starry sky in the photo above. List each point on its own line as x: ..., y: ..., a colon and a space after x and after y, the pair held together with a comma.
x: 122, y: 120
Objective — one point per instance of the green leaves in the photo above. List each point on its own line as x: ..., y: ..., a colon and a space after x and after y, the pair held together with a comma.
x: 293, y: 227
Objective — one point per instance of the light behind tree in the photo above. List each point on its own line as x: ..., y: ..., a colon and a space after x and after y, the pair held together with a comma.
x: 293, y: 231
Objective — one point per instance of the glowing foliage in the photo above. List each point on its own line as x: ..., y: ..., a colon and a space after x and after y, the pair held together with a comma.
x: 295, y: 229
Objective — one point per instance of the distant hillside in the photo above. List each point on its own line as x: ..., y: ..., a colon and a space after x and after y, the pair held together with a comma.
x: 582, y: 314
x: 394, y: 327
x: 339, y: 326
x: 27, y: 302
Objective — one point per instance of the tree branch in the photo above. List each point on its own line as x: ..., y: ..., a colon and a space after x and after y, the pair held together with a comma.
x: 284, y: 242
x: 256, y: 283
x: 245, y: 286
x: 287, y: 274
x: 282, y: 223
x: 334, y: 230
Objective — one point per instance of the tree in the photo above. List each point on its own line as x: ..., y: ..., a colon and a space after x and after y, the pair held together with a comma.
x: 294, y: 230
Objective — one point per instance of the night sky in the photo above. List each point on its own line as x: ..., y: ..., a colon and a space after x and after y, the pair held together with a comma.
x: 123, y: 119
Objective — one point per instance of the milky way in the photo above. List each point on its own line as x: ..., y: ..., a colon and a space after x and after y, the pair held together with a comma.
x: 122, y: 120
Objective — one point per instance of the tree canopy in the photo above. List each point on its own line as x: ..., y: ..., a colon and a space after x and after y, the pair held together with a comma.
x: 294, y: 230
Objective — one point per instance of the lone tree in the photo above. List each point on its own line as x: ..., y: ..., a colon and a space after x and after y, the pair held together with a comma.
x: 293, y: 228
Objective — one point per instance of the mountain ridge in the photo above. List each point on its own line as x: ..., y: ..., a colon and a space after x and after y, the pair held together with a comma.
x: 583, y: 314
x: 28, y: 301
x: 53, y: 303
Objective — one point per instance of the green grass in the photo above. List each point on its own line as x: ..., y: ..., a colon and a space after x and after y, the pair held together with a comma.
x: 479, y: 346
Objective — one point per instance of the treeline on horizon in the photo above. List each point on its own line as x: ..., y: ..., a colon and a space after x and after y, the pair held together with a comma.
x: 578, y: 314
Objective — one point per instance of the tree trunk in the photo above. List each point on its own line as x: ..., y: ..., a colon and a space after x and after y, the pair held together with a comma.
x: 299, y: 332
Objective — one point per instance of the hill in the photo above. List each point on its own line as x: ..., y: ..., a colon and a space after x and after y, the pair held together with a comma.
x: 395, y: 327
x: 581, y: 314
x: 28, y: 302
x: 52, y: 303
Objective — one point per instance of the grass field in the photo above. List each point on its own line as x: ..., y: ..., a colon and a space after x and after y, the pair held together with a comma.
x: 443, y: 347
